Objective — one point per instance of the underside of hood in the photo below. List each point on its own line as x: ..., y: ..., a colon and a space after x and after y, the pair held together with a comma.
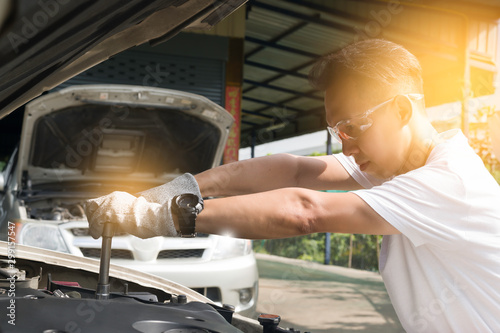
x: 106, y: 132
x: 44, y: 43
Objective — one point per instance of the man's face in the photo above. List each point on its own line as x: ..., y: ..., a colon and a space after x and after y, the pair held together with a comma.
x: 380, y: 150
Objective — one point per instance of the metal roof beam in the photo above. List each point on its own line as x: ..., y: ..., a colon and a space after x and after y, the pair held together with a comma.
x: 303, y: 112
x: 269, y: 127
x: 249, y: 123
x: 285, y: 120
x: 256, y: 100
x: 329, y: 10
x: 304, y: 17
x: 287, y: 101
x: 314, y: 111
x: 319, y: 109
x: 399, y: 34
x: 282, y: 35
x: 281, y: 47
x: 253, y: 113
x: 285, y: 90
x: 295, y: 119
x: 279, y: 76
x: 275, y: 69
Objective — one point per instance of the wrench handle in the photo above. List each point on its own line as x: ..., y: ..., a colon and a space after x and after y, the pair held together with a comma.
x: 102, y: 290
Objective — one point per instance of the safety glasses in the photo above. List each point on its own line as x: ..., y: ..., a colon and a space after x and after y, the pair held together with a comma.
x: 351, y: 129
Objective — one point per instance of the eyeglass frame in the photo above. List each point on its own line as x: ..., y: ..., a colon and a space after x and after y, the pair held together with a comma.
x: 335, y: 133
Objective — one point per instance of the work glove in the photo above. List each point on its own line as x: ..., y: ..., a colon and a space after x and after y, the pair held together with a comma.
x: 180, y: 185
x: 145, y: 216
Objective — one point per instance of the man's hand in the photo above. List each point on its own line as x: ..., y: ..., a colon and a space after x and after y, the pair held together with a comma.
x: 146, y: 216
x: 132, y: 215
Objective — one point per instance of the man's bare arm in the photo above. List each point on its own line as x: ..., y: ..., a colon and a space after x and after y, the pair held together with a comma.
x: 290, y: 212
x: 274, y: 172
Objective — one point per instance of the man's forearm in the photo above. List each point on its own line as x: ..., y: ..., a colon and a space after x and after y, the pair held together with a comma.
x: 274, y: 172
x: 249, y: 176
x: 273, y: 214
x: 290, y: 212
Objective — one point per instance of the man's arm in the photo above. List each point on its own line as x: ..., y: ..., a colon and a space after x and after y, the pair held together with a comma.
x: 270, y: 211
x: 290, y: 212
x: 274, y: 172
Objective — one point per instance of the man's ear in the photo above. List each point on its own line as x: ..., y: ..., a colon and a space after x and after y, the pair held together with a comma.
x: 405, y: 109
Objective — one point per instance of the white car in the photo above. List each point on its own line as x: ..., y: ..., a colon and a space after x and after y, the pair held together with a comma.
x: 86, y: 141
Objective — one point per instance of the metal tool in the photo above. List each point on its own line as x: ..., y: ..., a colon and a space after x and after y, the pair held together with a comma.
x: 102, y: 289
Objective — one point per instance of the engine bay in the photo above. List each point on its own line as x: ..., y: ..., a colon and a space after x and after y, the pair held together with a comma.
x: 39, y: 296
x: 67, y: 306
x: 55, y: 211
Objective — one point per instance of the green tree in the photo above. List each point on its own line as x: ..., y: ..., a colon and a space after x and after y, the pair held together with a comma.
x: 312, y: 248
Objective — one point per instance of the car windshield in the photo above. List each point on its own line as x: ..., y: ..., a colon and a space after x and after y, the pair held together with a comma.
x: 113, y: 139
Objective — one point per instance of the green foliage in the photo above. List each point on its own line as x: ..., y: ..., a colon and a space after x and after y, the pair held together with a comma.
x: 309, y: 247
x: 312, y: 248
x: 365, y: 252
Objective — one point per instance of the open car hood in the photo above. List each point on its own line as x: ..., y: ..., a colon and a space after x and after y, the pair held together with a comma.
x: 106, y: 132
x: 44, y: 43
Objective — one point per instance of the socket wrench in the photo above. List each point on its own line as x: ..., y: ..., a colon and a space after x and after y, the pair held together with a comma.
x: 102, y: 289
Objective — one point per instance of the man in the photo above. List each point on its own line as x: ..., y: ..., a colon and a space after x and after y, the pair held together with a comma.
x: 428, y: 193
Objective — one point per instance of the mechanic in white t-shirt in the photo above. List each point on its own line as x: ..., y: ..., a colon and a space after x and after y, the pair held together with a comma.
x: 429, y: 194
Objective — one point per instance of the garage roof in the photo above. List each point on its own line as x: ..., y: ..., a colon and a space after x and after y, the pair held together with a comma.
x: 284, y: 38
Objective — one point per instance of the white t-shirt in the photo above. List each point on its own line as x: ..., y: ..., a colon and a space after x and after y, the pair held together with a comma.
x: 443, y: 272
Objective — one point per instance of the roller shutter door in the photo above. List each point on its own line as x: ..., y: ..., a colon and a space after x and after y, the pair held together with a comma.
x: 201, y: 76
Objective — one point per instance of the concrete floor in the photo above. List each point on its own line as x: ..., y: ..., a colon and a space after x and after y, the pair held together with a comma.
x: 315, y: 298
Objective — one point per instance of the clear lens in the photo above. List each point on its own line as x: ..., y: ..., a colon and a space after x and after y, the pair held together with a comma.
x: 41, y: 235
x: 350, y: 129
x: 353, y: 128
x: 333, y: 134
x: 228, y: 247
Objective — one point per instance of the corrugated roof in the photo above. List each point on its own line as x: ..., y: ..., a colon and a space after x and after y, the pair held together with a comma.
x: 285, y: 37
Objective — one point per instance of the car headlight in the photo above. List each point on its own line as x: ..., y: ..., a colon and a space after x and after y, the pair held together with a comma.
x: 229, y: 247
x: 245, y: 295
x: 46, y: 236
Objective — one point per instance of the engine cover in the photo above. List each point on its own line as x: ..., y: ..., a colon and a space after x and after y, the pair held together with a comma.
x: 39, y: 310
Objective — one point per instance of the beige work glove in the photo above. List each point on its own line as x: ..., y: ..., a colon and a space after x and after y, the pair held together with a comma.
x: 146, y: 216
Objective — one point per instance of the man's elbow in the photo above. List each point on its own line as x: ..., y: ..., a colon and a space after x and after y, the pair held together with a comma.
x: 307, y: 216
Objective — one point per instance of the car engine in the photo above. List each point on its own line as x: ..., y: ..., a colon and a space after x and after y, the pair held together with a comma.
x: 65, y: 306
x: 44, y: 297
x: 56, y: 211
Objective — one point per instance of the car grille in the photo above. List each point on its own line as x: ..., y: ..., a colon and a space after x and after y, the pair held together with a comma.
x: 212, y: 292
x: 127, y: 254
x: 115, y: 253
x: 180, y: 254
x: 80, y: 232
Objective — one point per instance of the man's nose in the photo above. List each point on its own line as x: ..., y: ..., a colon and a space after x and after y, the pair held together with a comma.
x: 349, y: 147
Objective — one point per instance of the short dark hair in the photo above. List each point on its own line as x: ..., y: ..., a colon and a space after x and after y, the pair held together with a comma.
x: 376, y: 65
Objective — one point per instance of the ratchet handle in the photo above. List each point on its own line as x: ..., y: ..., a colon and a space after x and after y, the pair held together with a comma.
x: 102, y: 290
x: 108, y: 230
